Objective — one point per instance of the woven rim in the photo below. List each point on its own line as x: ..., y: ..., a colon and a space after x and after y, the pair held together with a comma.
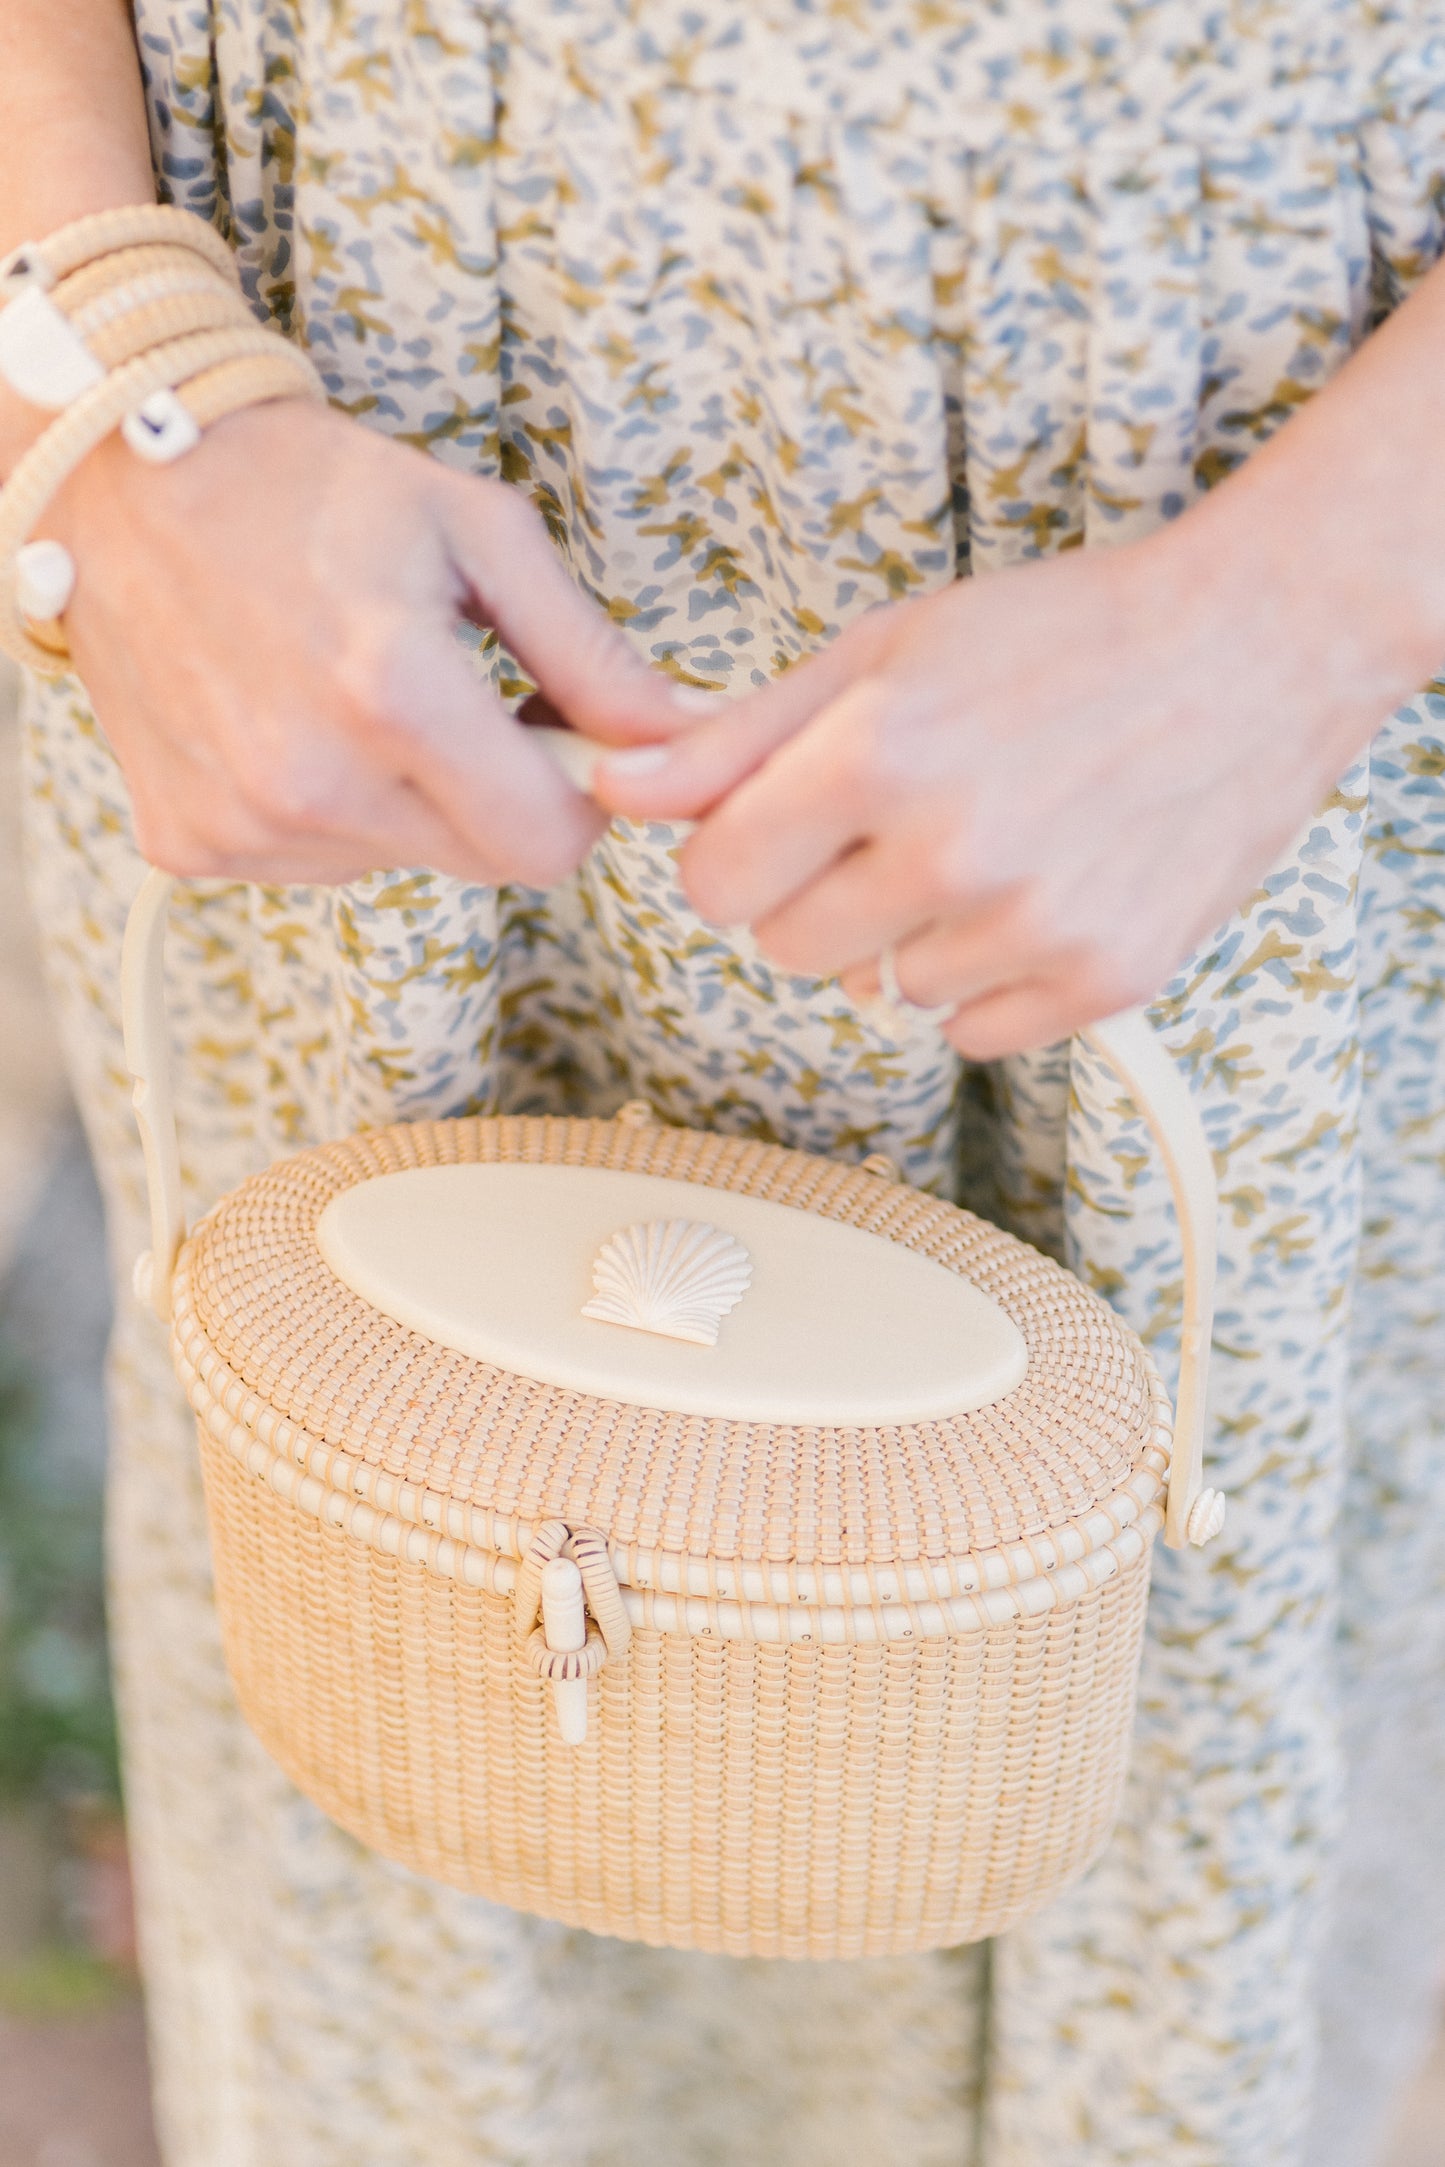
x: 964, y: 1509
x: 854, y: 1607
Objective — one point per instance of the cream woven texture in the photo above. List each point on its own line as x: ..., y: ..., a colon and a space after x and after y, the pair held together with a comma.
x: 254, y: 379
x: 87, y: 296
x: 745, y: 1786
x: 150, y: 323
x: 105, y: 233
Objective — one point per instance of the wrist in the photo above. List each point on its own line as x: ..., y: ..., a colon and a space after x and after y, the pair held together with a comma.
x: 1345, y: 569
x: 1332, y: 622
x: 112, y: 492
x: 127, y: 321
x: 1334, y: 533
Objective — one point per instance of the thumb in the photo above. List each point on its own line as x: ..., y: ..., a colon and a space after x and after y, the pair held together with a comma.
x: 589, y: 673
x: 685, y: 777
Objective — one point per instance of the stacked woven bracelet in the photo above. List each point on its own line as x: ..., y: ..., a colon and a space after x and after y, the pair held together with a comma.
x: 131, y: 320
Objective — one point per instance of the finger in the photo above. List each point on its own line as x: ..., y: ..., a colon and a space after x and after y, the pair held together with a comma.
x: 697, y: 769
x: 192, y: 820
x: 447, y: 735
x: 856, y: 907
x: 396, y: 828
x: 587, y: 669
x: 230, y: 846
x: 891, y: 891
x: 788, y: 822
x: 962, y: 958
x: 267, y: 869
x: 223, y: 853
x: 400, y: 828
x: 430, y: 771
x: 312, y: 800
x: 1017, y: 1019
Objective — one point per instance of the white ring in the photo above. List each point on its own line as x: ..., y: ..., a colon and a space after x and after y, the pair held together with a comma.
x: 893, y: 995
x: 888, y: 986
x: 44, y: 581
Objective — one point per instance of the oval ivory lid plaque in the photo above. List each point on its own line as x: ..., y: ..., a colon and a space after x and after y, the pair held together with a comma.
x: 837, y: 1327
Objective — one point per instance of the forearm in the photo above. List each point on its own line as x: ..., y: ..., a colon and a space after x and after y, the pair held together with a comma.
x: 1332, y: 538
x: 72, y: 135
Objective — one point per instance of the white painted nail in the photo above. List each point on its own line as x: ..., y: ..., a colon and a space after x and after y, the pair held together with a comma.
x: 698, y: 699
x: 639, y: 760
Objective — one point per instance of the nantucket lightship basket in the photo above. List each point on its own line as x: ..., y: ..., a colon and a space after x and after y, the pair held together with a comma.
x: 681, y: 1537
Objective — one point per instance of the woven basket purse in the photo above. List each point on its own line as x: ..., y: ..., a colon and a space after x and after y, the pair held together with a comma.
x: 697, y: 1541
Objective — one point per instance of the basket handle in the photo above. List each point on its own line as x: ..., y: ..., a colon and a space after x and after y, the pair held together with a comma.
x: 1127, y: 1043
x: 147, y: 1057
x: 1132, y: 1049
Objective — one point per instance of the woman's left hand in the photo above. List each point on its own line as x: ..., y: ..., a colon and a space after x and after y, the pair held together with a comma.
x: 1044, y: 786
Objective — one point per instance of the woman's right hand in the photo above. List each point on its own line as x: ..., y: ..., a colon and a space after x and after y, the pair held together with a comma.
x: 267, y: 631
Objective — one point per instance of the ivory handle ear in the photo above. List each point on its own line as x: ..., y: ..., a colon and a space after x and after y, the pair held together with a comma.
x: 1130, y: 1046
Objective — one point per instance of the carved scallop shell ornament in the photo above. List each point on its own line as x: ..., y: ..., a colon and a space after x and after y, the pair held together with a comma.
x: 676, y: 1277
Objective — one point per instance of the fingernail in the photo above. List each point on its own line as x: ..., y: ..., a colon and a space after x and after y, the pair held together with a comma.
x: 697, y: 699
x: 639, y: 760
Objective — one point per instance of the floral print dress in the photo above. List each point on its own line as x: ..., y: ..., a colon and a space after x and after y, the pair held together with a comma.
x: 780, y: 309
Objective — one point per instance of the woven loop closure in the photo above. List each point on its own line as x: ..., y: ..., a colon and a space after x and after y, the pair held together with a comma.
x: 562, y: 1649
x: 558, y: 1663
x: 587, y: 1549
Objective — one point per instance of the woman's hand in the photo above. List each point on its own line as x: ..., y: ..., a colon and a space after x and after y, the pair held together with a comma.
x: 1047, y: 786
x: 267, y: 632
x: 1044, y: 786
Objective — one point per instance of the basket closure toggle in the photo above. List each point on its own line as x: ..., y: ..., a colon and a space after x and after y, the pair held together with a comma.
x: 565, y: 1573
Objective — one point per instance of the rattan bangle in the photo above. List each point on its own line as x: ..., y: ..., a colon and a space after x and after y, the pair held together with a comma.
x: 101, y: 302
x: 50, y: 462
x: 105, y: 233
x: 147, y: 325
x: 254, y: 380
x: 56, y: 346
x: 160, y: 267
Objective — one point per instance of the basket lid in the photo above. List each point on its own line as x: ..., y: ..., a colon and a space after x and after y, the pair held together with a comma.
x: 849, y: 1373
x: 629, y: 1286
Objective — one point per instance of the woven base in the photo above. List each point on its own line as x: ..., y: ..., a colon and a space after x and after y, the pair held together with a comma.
x: 930, y: 1793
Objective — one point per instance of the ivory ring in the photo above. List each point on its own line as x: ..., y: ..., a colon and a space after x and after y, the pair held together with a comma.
x: 893, y: 994
x: 44, y: 581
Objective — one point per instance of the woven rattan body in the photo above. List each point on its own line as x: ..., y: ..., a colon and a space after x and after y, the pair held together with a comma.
x: 879, y: 1683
